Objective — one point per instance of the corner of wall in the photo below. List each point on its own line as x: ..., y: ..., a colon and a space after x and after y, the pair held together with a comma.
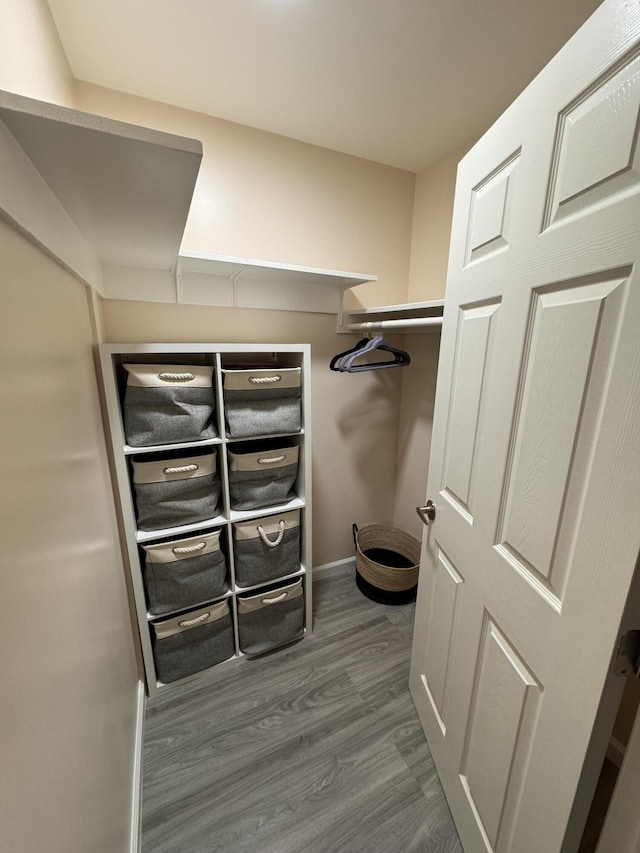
x: 95, y: 315
x: 32, y: 59
x: 431, y: 228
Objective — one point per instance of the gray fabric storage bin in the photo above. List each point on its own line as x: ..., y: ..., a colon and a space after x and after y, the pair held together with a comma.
x: 262, y: 473
x: 184, y: 573
x: 168, y: 404
x: 192, y: 642
x: 173, y: 492
x: 266, y: 548
x: 271, y: 618
x: 262, y: 401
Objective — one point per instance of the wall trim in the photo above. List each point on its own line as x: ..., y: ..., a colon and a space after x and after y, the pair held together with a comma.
x: 338, y: 566
x: 136, y: 793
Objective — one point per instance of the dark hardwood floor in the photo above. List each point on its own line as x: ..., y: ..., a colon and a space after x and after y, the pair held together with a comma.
x: 315, y: 748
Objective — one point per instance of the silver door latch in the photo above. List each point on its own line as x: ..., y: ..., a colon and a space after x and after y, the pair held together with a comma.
x: 427, y: 512
x: 627, y: 661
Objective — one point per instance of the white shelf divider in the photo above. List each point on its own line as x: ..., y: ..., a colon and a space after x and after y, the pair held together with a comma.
x: 184, y: 530
x: 164, y: 448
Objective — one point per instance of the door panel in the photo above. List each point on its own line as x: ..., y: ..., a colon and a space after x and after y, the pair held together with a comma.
x: 491, y: 210
x: 446, y: 597
x: 535, y: 460
x: 474, y: 331
x: 596, y: 153
x: 505, y: 698
x: 567, y: 332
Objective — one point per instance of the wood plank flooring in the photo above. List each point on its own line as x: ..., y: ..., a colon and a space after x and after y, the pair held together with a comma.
x: 315, y: 748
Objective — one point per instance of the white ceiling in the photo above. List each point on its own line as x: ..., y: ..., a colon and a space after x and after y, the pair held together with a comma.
x: 396, y: 81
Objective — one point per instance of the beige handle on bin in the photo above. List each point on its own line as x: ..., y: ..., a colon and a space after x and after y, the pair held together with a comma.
x: 189, y: 549
x: 268, y: 541
x: 176, y: 377
x: 275, y: 600
x: 181, y: 469
x: 189, y: 623
x: 264, y: 380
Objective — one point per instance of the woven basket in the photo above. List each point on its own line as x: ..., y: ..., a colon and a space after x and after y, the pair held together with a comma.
x: 391, y: 539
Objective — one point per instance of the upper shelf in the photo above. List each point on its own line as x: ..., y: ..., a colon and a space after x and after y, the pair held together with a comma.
x: 110, y: 201
x: 409, y: 317
x: 246, y: 268
x: 127, y: 189
x: 206, y: 279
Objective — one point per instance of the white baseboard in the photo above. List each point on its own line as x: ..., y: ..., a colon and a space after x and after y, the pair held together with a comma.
x: 336, y: 567
x: 136, y: 794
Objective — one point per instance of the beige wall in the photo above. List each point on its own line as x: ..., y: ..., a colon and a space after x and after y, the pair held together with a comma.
x: 67, y: 717
x: 264, y: 196
x: 354, y: 420
x: 267, y: 197
x: 431, y: 226
x: 68, y: 714
x: 414, y: 432
x: 32, y: 61
x: 431, y: 233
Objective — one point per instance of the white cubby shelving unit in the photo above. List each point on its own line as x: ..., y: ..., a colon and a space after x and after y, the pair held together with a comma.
x: 111, y: 359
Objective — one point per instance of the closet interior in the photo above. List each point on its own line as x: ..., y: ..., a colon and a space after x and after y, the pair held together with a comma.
x: 109, y: 202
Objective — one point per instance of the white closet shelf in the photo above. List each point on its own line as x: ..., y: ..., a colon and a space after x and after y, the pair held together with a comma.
x: 233, y: 282
x: 109, y: 200
x: 158, y: 617
x: 242, y: 589
x: 163, y: 448
x: 409, y: 317
x: 183, y: 530
x: 125, y: 189
x: 249, y: 269
x: 223, y: 281
x: 207, y: 442
x: 244, y: 515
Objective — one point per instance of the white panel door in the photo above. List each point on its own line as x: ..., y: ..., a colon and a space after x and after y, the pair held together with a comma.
x: 535, y: 462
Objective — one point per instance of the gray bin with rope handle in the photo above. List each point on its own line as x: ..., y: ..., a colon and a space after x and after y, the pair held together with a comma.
x: 262, y: 473
x: 387, y: 563
x: 193, y: 641
x: 171, y: 492
x: 168, y: 404
x: 183, y: 573
x: 270, y: 618
x: 266, y: 548
x: 262, y: 401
